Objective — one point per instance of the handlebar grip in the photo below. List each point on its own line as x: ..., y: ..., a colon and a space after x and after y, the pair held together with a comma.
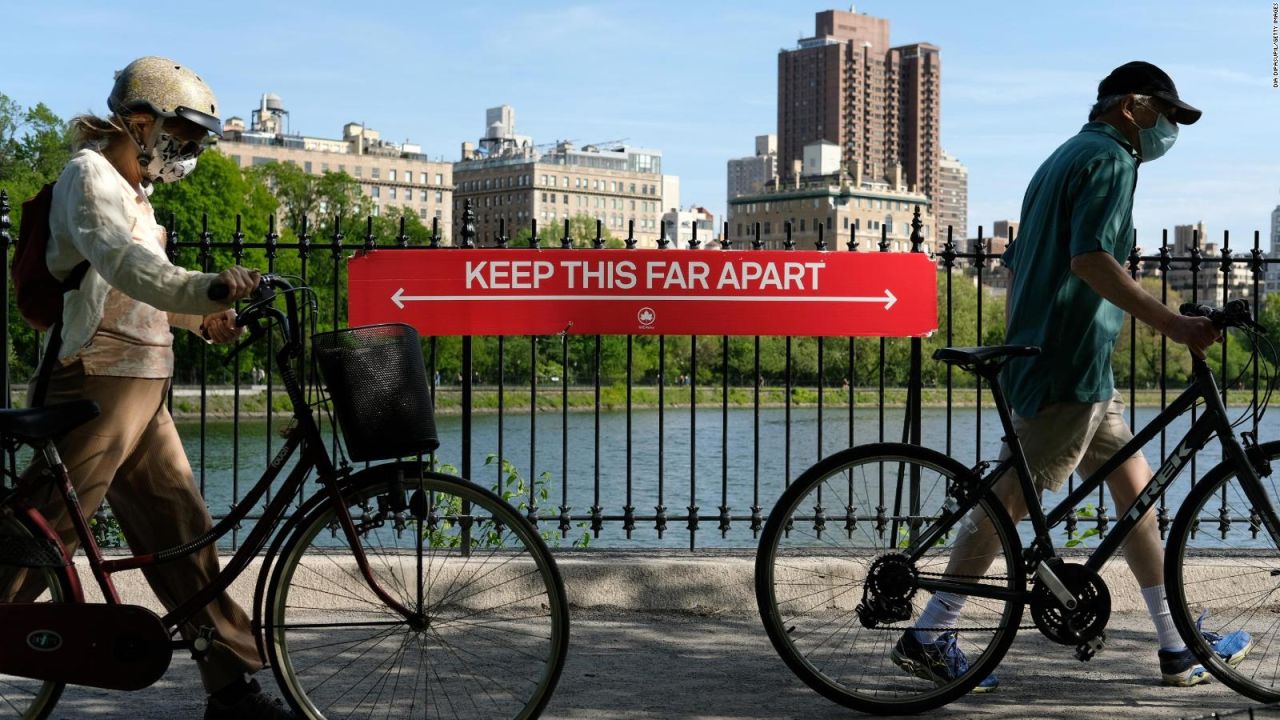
x: 1195, y: 310
x: 219, y: 291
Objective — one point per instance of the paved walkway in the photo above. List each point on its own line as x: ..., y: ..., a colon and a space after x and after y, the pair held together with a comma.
x: 664, y: 666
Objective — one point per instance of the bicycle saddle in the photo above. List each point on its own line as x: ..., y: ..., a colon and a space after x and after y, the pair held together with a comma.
x: 33, y: 426
x: 983, y: 358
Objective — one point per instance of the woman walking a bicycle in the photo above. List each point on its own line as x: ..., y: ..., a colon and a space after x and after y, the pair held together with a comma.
x: 116, y: 349
x: 1068, y: 296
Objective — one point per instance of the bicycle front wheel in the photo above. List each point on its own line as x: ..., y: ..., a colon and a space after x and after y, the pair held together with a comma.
x: 1222, y: 576
x: 835, y: 545
x: 20, y: 697
x: 490, y: 623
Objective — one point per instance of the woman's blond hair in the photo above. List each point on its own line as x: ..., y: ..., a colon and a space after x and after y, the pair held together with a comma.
x: 89, y: 130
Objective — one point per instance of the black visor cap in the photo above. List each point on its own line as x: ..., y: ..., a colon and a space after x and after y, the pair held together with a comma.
x: 1143, y: 78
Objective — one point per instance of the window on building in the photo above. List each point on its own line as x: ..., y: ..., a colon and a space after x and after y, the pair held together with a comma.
x: 375, y: 191
x: 439, y: 196
x: 375, y: 173
x: 544, y: 179
x: 422, y: 195
x: 845, y: 224
x: 439, y: 213
x: 391, y: 175
x: 768, y: 228
x: 260, y: 161
x: 359, y: 171
x: 801, y: 224
x: 566, y: 199
x: 392, y: 193
x: 633, y: 204
x: 306, y: 165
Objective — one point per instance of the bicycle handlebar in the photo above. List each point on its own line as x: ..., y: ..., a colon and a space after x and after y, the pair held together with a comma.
x: 1235, y: 313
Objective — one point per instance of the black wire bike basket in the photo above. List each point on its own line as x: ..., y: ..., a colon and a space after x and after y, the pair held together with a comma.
x: 378, y: 382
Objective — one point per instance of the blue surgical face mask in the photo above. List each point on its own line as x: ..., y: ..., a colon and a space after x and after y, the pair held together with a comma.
x: 1156, y: 140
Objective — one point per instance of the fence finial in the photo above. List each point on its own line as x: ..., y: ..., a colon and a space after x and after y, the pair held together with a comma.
x: 468, y: 226
x: 5, y: 223
x: 917, y: 237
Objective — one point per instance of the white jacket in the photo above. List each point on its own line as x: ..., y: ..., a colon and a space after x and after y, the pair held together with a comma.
x: 94, y: 215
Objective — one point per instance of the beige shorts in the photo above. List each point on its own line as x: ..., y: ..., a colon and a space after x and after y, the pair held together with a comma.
x: 1065, y: 436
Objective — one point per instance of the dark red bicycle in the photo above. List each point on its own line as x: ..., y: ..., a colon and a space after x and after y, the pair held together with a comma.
x: 391, y: 591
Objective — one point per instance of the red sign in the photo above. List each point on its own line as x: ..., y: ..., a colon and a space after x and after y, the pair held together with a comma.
x: 636, y: 292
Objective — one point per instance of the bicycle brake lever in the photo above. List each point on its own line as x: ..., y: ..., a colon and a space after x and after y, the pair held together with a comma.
x: 256, y: 332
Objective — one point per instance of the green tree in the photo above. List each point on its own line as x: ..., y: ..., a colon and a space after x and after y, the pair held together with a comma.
x: 582, y: 231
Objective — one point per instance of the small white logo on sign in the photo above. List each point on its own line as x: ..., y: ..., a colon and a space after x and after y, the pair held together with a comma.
x: 646, y: 316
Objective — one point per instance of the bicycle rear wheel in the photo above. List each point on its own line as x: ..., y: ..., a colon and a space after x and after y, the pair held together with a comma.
x: 23, y: 697
x: 1222, y: 575
x: 832, y: 544
x: 491, y: 624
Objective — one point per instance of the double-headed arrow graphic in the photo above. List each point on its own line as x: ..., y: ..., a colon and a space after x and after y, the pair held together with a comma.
x: 887, y: 299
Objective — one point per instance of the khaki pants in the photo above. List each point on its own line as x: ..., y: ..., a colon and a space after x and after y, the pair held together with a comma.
x: 131, y: 455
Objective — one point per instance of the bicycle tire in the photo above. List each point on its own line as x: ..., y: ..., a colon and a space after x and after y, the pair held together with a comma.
x: 493, y: 652
x: 1214, y: 564
x: 798, y: 553
x: 23, y: 697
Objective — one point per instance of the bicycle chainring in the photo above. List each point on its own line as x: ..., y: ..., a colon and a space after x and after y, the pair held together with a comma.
x: 886, y: 595
x: 1093, y: 605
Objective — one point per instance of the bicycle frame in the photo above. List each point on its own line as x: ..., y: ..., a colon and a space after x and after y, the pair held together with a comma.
x: 1214, y: 422
x: 303, y: 433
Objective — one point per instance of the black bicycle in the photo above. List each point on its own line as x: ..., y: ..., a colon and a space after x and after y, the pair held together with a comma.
x: 390, y: 590
x: 857, y: 545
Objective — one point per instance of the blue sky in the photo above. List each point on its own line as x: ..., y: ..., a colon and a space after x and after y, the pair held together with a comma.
x: 697, y: 80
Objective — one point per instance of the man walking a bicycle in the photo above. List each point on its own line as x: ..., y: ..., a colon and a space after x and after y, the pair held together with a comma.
x: 1068, y: 295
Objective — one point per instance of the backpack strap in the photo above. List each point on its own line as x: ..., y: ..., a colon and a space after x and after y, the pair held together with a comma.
x: 45, y: 371
x: 76, y: 277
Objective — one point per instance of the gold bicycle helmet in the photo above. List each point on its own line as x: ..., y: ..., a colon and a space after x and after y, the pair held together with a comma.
x: 165, y: 89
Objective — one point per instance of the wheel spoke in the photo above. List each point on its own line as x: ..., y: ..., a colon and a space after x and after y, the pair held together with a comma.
x: 494, y: 606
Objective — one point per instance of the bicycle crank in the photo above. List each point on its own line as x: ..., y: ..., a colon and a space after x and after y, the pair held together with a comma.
x: 1082, y: 625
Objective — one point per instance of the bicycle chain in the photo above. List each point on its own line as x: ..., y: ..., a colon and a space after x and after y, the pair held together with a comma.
x: 967, y: 577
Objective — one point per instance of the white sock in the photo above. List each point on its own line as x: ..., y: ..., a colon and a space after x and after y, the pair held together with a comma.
x: 1158, y: 606
x: 942, y: 611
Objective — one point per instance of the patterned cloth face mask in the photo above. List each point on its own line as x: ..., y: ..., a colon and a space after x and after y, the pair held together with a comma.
x: 172, y: 158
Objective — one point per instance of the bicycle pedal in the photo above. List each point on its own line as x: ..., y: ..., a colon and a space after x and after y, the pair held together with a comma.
x: 1087, y: 649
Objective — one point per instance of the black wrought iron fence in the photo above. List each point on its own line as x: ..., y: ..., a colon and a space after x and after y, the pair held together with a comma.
x: 696, y: 439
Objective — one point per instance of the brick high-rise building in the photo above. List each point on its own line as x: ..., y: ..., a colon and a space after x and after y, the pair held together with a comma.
x: 880, y: 104
x: 952, y: 201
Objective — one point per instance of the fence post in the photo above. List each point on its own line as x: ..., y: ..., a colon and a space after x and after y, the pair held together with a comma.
x: 6, y: 240
x: 915, y: 387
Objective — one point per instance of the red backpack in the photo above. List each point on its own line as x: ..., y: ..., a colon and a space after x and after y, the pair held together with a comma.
x: 39, y: 293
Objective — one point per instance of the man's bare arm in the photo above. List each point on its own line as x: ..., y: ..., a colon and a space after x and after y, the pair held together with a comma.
x: 1110, y: 280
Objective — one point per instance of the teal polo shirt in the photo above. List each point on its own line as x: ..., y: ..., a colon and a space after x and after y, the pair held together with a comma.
x: 1079, y: 201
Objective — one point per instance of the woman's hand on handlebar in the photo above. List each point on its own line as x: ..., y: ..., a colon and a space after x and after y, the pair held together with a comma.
x: 220, y: 327
x: 239, y: 283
